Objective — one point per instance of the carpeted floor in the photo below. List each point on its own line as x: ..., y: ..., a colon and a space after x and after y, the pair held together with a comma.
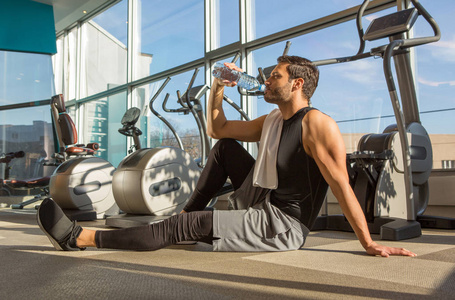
x: 331, y: 265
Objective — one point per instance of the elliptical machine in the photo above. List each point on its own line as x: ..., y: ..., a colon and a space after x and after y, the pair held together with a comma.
x: 82, y: 184
x: 189, y: 102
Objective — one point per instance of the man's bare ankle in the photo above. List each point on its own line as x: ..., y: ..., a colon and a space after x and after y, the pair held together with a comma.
x: 86, y: 238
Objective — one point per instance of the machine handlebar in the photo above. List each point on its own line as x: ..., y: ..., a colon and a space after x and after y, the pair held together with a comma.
x: 7, y: 157
x: 157, y: 93
x: 183, y: 109
x: 190, y: 85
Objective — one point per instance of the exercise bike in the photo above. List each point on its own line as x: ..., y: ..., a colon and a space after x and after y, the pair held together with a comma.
x: 154, y: 183
x: 7, y: 185
x: 82, y: 183
x: 6, y: 158
x: 188, y: 103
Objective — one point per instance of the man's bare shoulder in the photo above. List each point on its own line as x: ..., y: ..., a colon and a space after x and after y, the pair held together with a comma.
x: 315, y: 119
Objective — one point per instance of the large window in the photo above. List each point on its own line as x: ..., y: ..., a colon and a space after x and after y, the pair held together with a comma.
x: 102, y: 119
x: 28, y: 130
x: 224, y: 15
x: 435, y: 76
x: 156, y: 132
x: 133, y: 46
x: 170, y: 34
x: 104, y: 51
x: 269, y: 17
x: 26, y: 78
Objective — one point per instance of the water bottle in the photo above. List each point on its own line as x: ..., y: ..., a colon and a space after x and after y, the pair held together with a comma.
x: 243, y: 80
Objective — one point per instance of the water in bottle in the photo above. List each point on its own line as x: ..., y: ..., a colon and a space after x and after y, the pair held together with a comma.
x: 243, y: 80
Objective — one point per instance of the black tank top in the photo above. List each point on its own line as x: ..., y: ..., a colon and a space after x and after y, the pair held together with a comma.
x: 301, y: 186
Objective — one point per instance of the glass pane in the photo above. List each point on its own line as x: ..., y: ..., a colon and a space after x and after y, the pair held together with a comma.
x: 25, y: 77
x: 104, y: 51
x: 170, y: 35
x: 70, y: 67
x: 226, y: 21
x: 275, y: 16
x: 102, y: 119
x: 114, y: 21
x: 155, y: 132
x: 71, y: 111
x: 435, y: 77
x: 57, y: 62
x: 28, y: 130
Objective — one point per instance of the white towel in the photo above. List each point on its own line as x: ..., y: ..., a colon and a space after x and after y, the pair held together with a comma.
x: 265, y: 172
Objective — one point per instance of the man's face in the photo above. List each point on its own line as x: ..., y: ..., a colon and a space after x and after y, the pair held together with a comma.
x: 278, y: 88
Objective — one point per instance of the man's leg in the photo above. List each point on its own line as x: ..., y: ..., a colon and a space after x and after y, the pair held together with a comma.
x: 227, y: 158
x: 67, y: 235
x: 194, y: 226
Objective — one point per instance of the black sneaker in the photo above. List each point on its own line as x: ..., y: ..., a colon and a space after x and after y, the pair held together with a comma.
x: 60, y: 230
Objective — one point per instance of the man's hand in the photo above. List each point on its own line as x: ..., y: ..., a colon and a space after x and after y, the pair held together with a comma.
x: 233, y: 67
x: 228, y: 83
x: 384, y: 251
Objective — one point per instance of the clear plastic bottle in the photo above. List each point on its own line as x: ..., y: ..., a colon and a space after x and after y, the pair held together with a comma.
x: 243, y: 80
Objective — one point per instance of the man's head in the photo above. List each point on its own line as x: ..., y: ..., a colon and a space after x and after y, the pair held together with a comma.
x: 299, y: 67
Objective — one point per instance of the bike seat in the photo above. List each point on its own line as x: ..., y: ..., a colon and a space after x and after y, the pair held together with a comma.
x: 75, y: 151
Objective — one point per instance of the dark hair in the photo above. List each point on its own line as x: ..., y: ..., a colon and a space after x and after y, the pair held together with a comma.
x: 300, y: 67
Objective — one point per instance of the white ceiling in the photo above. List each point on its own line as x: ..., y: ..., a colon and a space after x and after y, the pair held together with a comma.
x: 67, y: 12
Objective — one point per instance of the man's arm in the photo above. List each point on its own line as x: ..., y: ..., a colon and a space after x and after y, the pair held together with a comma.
x: 219, y: 127
x: 323, y: 141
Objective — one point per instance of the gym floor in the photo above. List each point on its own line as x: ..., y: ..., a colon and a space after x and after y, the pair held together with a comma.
x: 331, y: 265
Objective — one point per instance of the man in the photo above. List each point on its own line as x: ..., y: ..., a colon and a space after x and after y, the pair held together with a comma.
x: 277, y: 198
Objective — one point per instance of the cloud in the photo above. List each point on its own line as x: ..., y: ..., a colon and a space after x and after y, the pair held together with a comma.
x: 365, y: 72
x: 446, y: 44
x: 443, y: 50
x: 434, y: 83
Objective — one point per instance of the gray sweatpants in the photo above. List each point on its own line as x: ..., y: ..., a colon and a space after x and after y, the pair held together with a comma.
x: 255, y: 224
